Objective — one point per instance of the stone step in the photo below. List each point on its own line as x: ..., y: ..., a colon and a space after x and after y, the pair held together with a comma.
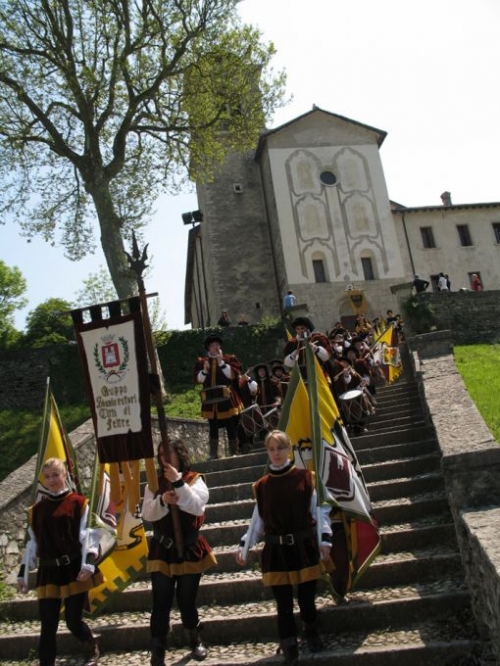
x: 404, y: 510
x: 243, y: 491
x: 373, y: 471
x: 417, y: 432
x: 394, y: 538
x: 364, y: 611
x: 431, y: 643
x: 229, y: 584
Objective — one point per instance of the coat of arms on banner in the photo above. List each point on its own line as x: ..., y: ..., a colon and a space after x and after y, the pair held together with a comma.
x: 112, y: 357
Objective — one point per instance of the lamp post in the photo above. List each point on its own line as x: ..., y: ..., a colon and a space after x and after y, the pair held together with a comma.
x: 192, y: 218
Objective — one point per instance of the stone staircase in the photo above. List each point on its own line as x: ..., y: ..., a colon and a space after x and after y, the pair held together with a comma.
x: 412, y: 605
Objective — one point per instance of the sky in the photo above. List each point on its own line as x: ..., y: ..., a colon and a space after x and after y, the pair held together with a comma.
x: 424, y: 72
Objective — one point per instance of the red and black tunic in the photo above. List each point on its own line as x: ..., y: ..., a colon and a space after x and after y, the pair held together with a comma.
x: 55, y: 521
x: 163, y: 555
x: 284, y: 504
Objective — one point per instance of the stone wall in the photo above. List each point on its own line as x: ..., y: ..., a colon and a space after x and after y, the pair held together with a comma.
x: 471, y: 468
x: 472, y: 317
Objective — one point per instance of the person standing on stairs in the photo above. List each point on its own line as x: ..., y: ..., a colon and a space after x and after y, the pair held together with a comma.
x: 285, y: 516
x: 218, y: 373
x: 66, y: 552
x: 171, y: 573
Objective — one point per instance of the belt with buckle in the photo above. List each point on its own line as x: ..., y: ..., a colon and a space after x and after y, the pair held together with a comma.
x: 62, y: 561
x: 168, y: 542
x: 289, y: 539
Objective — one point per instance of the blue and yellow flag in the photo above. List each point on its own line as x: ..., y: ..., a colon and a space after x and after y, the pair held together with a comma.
x: 311, y: 418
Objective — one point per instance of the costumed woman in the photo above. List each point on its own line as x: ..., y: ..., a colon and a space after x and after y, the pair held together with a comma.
x: 66, y: 552
x: 172, y: 573
x: 286, y: 516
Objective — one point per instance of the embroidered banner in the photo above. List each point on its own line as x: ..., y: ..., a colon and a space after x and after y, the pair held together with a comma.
x: 114, y: 357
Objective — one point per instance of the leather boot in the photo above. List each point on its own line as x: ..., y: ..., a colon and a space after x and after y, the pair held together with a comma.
x: 233, y: 447
x: 311, y: 636
x: 157, y: 652
x: 290, y: 651
x: 198, y: 650
x: 214, y: 447
x: 91, y: 652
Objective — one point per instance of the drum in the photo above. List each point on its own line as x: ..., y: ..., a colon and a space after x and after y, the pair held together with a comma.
x: 351, y: 403
x: 215, y: 394
x: 271, y: 417
x: 252, y: 420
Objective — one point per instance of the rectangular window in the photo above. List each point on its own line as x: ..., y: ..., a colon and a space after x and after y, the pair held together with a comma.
x: 427, y: 237
x: 319, y: 270
x: 496, y: 231
x: 464, y: 235
x: 367, y: 265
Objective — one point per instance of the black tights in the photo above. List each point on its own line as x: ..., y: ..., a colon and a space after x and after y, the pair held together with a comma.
x: 49, y: 615
x: 163, y: 598
x: 283, y: 595
x: 230, y: 424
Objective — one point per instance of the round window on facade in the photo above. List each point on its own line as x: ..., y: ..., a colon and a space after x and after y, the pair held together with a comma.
x: 328, y: 178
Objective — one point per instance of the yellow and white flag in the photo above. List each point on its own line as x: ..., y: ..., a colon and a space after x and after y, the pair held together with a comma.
x: 311, y: 418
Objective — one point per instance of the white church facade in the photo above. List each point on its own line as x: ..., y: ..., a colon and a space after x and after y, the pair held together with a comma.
x: 309, y: 211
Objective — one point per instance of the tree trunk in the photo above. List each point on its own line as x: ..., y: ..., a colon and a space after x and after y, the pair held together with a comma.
x: 112, y: 242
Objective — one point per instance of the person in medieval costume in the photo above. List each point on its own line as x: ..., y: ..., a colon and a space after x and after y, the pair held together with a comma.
x: 175, y: 574
x: 220, y: 401
x: 294, y: 351
x: 285, y: 517
x: 67, y: 551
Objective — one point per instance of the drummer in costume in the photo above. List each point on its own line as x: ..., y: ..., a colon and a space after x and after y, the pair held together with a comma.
x: 170, y: 572
x: 280, y: 377
x: 268, y: 394
x: 348, y: 387
x: 285, y: 516
x: 218, y: 374
x: 294, y: 351
x: 66, y: 552
x: 247, y: 389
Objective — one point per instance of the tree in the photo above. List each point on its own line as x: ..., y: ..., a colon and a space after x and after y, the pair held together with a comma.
x: 104, y: 103
x: 12, y: 288
x: 97, y: 288
x: 49, y: 323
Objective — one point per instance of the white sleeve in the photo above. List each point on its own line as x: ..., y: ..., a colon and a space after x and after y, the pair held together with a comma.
x: 194, y: 498
x: 201, y: 376
x: 152, y: 508
x: 89, y: 539
x: 290, y: 360
x: 256, y: 530
x: 322, y: 353
x: 252, y: 387
x: 30, y: 553
x: 323, y: 515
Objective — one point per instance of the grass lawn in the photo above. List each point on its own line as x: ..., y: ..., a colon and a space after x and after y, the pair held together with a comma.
x: 20, y: 432
x: 478, y: 366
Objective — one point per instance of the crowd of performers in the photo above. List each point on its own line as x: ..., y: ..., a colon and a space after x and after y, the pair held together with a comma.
x: 246, y: 403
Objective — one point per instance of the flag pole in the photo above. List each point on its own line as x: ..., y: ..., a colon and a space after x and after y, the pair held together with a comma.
x: 137, y: 262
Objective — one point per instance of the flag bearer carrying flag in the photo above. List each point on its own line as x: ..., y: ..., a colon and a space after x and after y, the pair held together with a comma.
x: 58, y: 537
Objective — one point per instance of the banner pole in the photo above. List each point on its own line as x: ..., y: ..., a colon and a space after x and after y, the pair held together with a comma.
x: 137, y: 263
